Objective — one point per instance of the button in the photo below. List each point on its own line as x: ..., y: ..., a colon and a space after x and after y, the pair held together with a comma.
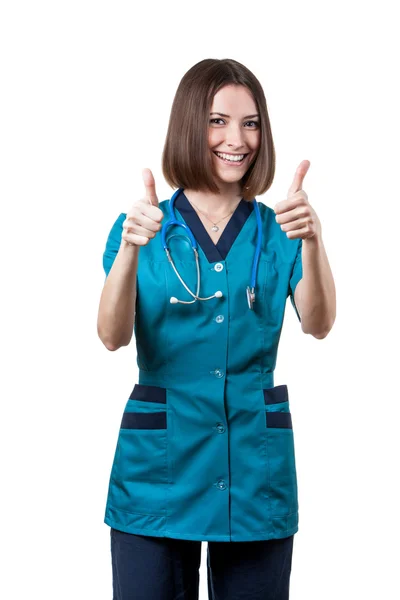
x: 218, y: 373
x: 219, y: 319
x: 221, y: 485
x: 220, y: 427
x: 218, y: 267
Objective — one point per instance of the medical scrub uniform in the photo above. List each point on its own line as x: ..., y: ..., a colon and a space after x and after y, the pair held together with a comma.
x: 205, y: 449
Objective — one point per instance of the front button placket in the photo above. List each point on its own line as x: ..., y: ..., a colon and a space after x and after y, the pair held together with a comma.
x: 218, y: 373
x: 219, y: 267
x: 220, y: 485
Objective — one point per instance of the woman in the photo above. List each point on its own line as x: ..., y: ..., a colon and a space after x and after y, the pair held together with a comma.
x: 205, y: 450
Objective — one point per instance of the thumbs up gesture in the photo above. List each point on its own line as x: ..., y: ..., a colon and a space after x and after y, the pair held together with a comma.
x: 143, y: 220
x: 295, y: 215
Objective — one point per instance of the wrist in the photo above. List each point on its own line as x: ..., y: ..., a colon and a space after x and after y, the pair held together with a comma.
x: 313, y: 242
x: 129, y: 251
x: 127, y: 246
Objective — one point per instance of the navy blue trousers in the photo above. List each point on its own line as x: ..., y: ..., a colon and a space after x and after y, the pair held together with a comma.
x: 159, y: 568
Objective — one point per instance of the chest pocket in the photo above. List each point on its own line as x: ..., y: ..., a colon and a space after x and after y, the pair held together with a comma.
x: 275, y: 287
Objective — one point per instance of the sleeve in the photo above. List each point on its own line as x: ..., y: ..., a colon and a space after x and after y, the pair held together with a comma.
x: 296, y: 275
x: 113, y: 243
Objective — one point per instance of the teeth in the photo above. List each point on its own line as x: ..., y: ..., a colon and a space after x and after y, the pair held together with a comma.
x: 236, y: 158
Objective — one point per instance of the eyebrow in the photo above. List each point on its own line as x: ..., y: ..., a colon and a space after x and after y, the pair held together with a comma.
x: 223, y: 115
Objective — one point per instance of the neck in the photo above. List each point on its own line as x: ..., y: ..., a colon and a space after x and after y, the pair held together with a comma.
x: 216, y: 205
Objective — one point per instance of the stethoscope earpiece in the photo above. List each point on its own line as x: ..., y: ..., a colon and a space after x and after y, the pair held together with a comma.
x: 173, y: 221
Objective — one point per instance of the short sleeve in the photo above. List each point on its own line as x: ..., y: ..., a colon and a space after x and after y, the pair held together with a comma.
x: 113, y: 243
x: 296, y: 275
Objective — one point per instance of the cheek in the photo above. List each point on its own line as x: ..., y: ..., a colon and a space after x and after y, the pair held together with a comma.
x: 254, y: 143
x: 213, y: 138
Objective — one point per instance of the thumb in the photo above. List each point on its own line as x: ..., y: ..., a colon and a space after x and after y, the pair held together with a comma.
x: 150, y: 186
x: 301, y: 172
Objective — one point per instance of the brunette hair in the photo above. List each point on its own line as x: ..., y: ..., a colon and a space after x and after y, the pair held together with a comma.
x: 186, y: 160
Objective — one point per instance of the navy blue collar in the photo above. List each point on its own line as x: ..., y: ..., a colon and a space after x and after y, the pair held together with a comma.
x: 219, y: 251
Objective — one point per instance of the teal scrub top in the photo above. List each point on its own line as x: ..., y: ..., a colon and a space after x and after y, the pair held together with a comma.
x: 205, y: 449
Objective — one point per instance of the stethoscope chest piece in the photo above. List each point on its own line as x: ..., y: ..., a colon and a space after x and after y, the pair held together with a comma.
x: 250, y: 297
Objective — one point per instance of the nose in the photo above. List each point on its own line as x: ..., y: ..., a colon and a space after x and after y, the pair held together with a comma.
x: 234, y: 136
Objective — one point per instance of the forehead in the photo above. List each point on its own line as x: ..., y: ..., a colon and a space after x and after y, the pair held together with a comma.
x: 234, y: 100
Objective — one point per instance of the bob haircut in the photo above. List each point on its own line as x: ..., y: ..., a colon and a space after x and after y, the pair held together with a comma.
x: 186, y: 160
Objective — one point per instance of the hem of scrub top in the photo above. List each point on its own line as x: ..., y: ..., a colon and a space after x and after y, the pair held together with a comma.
x: 261, y: 536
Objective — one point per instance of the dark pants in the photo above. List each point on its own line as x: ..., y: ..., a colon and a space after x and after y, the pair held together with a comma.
x: 157, y: 568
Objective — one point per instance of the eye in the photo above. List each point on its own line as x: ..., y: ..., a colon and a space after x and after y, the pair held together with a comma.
x: 255, y: 123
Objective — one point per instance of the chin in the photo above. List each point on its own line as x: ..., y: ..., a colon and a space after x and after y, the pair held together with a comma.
x: 231, y: 179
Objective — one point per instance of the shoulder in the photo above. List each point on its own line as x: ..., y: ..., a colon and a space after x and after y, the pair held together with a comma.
x: 120, y: 219
x: 164, y: 206
x: 277, y: 242
x: 270, y: 227
x: 116, y: 229
x: 266, y: 212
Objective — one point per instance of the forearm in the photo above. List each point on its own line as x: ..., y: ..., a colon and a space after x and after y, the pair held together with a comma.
x: 118, y: 299
x: 318, y: 294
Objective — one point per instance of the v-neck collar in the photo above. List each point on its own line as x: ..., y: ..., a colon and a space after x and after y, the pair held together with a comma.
x: 218, y: 251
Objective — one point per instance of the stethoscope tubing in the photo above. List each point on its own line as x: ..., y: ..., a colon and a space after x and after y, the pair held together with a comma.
x: 174, y: 221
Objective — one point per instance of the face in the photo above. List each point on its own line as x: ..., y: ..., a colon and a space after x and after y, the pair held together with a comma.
x: 234, y: 132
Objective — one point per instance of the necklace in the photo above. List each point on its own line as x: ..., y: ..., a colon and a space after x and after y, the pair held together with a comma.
x: 214, y: 227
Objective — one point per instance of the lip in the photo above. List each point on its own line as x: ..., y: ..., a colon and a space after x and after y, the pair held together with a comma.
x: 232, y: 164
x: 232, y: 153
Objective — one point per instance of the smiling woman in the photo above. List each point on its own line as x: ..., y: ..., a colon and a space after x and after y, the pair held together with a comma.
x: 205, y: 448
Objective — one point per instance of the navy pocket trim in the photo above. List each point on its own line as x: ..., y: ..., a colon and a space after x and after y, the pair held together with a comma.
x: 149, y: 393
x: 277, y: 394
x: 279, y: 419
x: 135, y: 420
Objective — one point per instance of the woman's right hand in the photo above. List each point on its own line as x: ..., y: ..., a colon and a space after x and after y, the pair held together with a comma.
x: 143, y: 220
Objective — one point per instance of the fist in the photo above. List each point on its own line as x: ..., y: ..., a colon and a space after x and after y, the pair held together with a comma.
x: 143, y: 220
x: 295, y: 215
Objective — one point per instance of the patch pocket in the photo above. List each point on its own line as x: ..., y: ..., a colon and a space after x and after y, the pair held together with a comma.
x: 276, y: 399
x: 141, y: 472
x: 149, y: 393
x: 146, y: 399
x: 282, y: 478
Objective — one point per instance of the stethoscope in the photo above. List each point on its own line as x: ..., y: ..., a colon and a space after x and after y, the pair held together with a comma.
x: 251, y: 296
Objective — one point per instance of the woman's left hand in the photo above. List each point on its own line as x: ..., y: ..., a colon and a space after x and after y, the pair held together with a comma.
x: 295, y: 215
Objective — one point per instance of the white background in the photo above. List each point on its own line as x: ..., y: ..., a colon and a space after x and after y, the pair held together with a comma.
x: 86, y: 94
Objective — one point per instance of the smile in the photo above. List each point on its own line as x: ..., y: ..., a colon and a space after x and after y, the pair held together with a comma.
x: 231, y: 159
